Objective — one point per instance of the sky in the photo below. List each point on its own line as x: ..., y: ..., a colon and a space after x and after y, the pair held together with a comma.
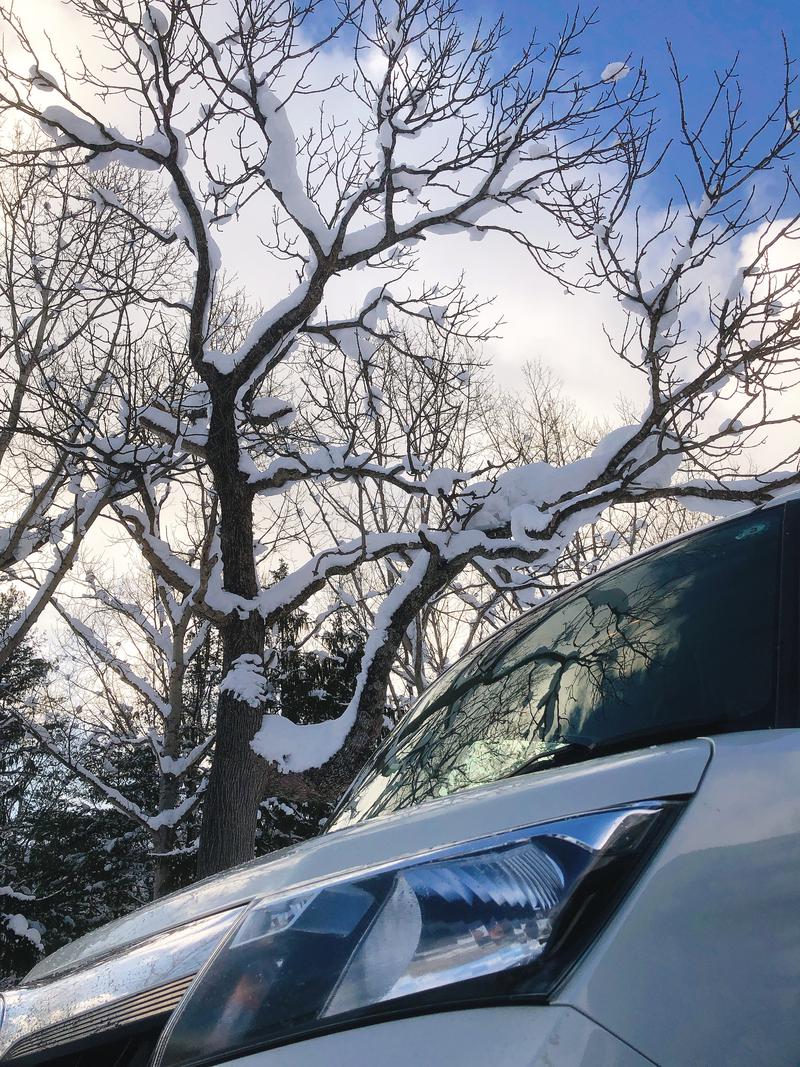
x: 540, y: 321
x: 706, y: 35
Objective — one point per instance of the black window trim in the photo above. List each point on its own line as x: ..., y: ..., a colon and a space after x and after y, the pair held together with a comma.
x: 787, y: 698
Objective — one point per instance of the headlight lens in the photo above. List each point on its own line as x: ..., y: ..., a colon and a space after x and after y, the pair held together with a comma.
x: 495, y: 917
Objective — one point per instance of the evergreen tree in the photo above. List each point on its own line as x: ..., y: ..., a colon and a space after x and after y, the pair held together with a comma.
x: 309, y: 686
x: 20, y: 770
x: 67, y: 862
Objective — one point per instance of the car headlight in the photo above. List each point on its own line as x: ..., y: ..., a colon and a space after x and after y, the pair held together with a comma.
x: 499, y: 917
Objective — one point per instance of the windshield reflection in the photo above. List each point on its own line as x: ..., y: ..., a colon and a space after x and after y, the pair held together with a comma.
x: 680, y: 640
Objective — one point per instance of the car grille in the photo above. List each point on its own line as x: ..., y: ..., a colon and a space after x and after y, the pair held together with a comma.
x: 115, y: 1016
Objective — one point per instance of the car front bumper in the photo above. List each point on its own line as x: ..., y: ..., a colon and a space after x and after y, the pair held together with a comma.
x: 519, y: 1036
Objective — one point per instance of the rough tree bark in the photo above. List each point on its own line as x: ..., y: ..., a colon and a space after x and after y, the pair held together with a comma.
x: 237, y: 779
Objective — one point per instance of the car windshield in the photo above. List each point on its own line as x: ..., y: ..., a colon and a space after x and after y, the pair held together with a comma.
x: 676, y: 643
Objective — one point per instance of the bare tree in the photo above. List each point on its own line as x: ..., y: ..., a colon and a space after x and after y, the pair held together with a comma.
x: 427, y: 134
x: 73, y: 364
x: 140, y: 644
x: 533, y: 423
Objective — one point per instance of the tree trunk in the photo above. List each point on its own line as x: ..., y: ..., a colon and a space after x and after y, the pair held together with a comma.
x: 166, y: 837
x: 163, y: 874
x: 237, y: 779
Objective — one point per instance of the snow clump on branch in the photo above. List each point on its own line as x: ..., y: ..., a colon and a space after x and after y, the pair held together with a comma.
x: 246, y: 681
x: 615, y: 72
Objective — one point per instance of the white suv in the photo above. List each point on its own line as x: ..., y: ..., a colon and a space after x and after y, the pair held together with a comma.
x: 581, y: 847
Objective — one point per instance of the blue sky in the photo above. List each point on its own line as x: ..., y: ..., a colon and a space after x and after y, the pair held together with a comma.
x: 705, y: 34
x: 567, y: 333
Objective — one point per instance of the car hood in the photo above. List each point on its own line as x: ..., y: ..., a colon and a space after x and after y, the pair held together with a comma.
x: 118, y: 959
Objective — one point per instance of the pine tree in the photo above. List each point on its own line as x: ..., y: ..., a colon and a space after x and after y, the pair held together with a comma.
x: 309, y: 686
x: 67, y: 862
x: 20, y: 770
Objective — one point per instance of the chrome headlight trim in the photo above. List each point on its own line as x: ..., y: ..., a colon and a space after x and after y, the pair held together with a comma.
x: 490, y: 920
x: 44, y: 1012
